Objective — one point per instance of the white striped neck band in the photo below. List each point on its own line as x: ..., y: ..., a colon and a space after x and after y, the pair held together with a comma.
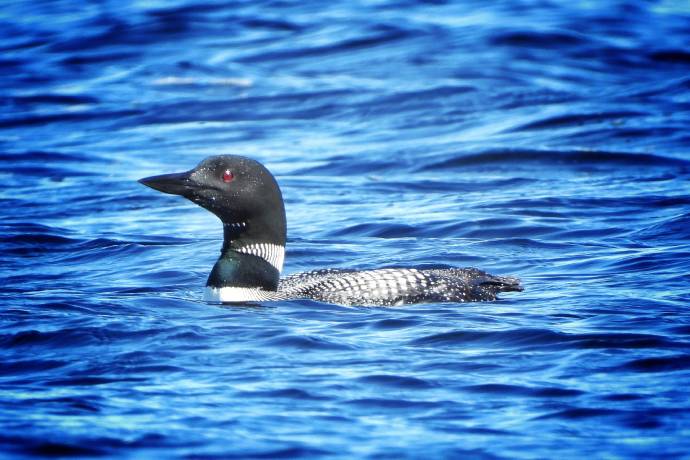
x: 274, y: 254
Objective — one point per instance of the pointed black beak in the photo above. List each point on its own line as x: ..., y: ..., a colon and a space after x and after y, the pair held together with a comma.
x: 175, y: 184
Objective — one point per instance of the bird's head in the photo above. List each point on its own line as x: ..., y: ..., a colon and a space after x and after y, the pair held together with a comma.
x: 237, y: 189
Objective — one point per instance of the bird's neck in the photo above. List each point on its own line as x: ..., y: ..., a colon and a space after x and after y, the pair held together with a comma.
x: 251, y: 257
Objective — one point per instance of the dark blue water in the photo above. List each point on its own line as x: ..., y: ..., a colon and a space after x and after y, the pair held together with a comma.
x: 546, y: 140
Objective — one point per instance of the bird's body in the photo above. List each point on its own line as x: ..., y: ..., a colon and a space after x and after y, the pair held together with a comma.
x: 247, y: 199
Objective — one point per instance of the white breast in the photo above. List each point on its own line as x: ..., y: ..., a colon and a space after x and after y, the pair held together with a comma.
x: 239, y: 294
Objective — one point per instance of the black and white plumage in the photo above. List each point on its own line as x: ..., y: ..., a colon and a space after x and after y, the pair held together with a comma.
x: 247, y: 199
x: 396, y: 286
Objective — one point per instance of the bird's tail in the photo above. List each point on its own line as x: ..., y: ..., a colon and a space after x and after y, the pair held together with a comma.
x: 503, y: 283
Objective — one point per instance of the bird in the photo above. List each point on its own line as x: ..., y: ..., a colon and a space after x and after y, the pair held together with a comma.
x: 247, y: 199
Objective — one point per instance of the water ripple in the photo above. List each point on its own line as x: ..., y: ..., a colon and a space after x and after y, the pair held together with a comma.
x: 543, y: 140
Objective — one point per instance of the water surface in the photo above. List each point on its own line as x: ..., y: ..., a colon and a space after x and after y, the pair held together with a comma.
x: 528, y: 138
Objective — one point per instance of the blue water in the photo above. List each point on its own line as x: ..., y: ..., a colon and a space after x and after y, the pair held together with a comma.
x: 546, y: 140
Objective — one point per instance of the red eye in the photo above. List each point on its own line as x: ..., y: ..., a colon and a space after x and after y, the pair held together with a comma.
x: 228, y: 176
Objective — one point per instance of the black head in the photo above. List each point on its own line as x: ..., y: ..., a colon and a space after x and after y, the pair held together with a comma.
x: 237, y: 189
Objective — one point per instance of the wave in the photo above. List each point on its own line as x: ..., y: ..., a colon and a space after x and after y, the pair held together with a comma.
x: 545, y: 338
x: 68, y: 117
x: 382, y: 34
x: 557, y: 158
x: 578, y: 120
x: 397, y: 381
x: 672, y: 363
x: 517, y: 390
x: 550, y: 39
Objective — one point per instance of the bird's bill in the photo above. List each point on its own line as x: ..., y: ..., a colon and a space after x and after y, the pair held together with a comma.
x: 174, y: 184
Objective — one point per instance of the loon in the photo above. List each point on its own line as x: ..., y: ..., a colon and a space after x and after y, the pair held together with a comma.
x: 247, y: 199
